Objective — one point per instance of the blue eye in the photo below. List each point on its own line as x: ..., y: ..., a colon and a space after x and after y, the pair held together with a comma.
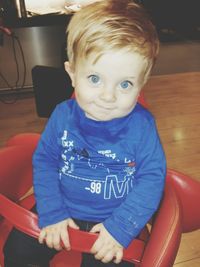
x: 126, y: 84
x: 95, y: 79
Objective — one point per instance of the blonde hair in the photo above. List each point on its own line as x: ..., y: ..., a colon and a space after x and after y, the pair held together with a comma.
x: 111, y: 25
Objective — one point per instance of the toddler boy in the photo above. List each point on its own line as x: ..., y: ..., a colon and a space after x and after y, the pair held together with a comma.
x: 99, y: 165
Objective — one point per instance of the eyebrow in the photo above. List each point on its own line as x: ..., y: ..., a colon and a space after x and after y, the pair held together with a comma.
x: 130, y: 77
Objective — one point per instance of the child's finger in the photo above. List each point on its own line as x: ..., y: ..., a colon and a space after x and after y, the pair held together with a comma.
x: 97, y: 246
x: 56, y: 241
x: 107, y: 257
x: 42, y: 236
x: 102, y: 253
x: 118, y: 256
x: 73, y: 225
x: 65, y: 239
x: 49, y: 240
x: 96, y: 228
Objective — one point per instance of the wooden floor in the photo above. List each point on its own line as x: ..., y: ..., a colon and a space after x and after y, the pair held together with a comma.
x: 175, y: 102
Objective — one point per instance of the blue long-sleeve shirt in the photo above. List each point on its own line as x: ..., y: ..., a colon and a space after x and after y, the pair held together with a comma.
x: 101, y: 171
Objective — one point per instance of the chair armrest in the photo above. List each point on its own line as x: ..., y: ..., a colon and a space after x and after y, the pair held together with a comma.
x: 188, y: 191
x: 15, y: 171
x: 162, y: 247
x: 21, y: 218
x: 81, y: 241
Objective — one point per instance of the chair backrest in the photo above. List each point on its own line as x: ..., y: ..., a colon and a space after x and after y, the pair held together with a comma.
x: 15, y: 171
x: 24, y: 139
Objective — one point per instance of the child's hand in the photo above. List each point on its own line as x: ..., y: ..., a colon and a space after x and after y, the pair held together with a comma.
x: 106, y: 248
x: 54, y: 234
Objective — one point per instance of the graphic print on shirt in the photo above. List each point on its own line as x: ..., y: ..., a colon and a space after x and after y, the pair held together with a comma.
x: 113, y: 176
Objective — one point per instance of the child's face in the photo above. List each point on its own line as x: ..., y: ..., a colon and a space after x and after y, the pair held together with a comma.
x: 109, y: 88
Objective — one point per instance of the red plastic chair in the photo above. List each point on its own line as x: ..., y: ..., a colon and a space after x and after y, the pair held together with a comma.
x: 178, y: 212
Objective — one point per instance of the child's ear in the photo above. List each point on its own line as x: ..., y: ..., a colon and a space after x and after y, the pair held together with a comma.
x: 70, y: 71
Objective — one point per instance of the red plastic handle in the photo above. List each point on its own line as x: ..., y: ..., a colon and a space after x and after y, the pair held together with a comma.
x: 81, y: 241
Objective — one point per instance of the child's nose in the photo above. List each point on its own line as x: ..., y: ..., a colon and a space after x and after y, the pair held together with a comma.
x: 108, y: 95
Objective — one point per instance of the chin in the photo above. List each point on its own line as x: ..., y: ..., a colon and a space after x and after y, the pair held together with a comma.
x: 98, y: 118
x: 106, y: 118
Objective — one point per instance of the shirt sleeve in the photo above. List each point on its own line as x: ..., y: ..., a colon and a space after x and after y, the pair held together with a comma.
x: 131, y: 216
x: 49, y: 202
